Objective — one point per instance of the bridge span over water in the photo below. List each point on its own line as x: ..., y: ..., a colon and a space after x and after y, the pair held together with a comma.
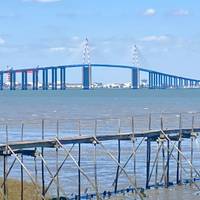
x: 55, y: 77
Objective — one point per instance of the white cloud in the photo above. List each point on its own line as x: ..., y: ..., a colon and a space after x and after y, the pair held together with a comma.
x: 76, y: 38
x: 57, y: 49
x: 42, y: 1
x: 155, y: 38
x: 2, y: 41
x: 181, y: 12
x: 149, y: 12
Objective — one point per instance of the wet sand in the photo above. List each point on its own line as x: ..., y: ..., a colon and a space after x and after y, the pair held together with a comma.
x: 174, y: 193
x: 184, y: 192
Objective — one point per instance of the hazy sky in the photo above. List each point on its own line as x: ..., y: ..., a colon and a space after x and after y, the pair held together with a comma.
x: 52, y: 32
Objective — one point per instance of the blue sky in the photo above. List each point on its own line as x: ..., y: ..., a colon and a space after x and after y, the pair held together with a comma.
x: 52, y: 32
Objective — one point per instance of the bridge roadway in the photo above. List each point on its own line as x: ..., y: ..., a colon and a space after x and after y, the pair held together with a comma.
x: 52, y: 75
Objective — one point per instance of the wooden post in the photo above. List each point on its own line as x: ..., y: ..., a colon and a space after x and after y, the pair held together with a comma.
x: 57, y: 162
x: 168, y: 158
x: 42, y: 164
x: 5, y: 162
x: 95, y: 160
x: 148, y: 155
x: 148, y: 161
x: 79, y: 162
x: 22, y: 170
x: 192, y: 150
x: 119, y: 158
x: 178, y: 154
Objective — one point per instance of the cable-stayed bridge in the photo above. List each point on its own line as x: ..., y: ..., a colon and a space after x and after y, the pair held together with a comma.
x: 55, y: 77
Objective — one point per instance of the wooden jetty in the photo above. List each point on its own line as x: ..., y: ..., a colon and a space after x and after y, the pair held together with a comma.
x: 164, y: 158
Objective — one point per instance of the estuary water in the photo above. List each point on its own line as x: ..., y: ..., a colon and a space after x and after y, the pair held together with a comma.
x: 107, y: 105
x: 95, y: 103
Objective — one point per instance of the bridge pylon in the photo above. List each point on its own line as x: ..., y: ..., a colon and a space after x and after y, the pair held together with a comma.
x: 87, y: 70
x: 135, y: 82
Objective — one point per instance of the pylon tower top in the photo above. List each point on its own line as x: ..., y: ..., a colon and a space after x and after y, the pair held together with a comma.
x: 86, y: 52
x: 135, y: 56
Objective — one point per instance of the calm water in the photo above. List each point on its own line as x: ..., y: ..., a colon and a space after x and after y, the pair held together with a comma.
x: 76, y: 104
x: 95, y: 103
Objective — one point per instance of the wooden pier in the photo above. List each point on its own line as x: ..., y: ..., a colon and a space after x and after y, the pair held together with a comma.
x: 141, y: 160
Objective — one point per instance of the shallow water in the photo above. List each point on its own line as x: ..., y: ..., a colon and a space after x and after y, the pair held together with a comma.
x: 95, y: 103
x: 33, y: 106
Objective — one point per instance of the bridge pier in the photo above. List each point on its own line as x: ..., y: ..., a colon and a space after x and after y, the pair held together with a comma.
x: 155, y: 80
x: 12, y: 80
x: 45, y: 79
x: 62, y: 78
x: 135, y: 78
x: 54, y: 78
x: 159, y: 80
x: 191, y: 83
x: 180, y: 83
x: 164, y: 81
x: 87, y: 74
x: 1, y: 80
x: 175, y: 82
x: 35, y: 79
x: 170, y: 82
x: 150, y: 80
x: 24, y: 80
x: 185, y: 82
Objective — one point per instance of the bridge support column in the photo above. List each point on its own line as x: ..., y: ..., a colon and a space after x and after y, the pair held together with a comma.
x: 62, y: 78
x: 155, y: 80
x: 164, y: 81
x: 12, y: 80
x: 150, y: 80
x: 190, y: 81
x: 54, y: 78
x: 35, y: 79
x: 176, y: 82
x: 186, y: 82
x: 1, y: 80
x: 179, y: 83
x: 45, y: 79
x: 135, y: 78
x: 170, y: 81
x: 87, y: 77
x: 160, y: 80
x: 24, y: 80
x: 167, y: 81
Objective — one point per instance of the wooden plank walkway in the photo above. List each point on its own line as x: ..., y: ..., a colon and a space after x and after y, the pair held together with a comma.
x: 50, y: 143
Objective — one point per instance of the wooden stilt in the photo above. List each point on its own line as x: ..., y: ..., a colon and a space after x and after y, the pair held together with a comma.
x: 42, y: 164
x: 119, y: 160
x: 22, y: 160
x: 79, y: 163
